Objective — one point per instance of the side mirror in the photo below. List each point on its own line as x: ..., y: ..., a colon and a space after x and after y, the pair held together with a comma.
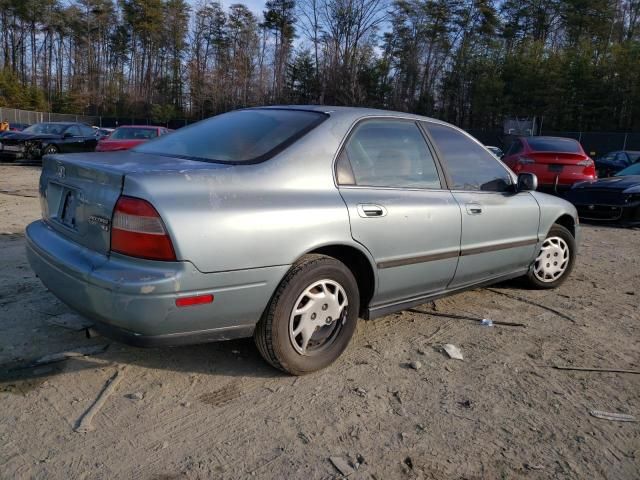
x: 527, y: 182
x: 67, y: 135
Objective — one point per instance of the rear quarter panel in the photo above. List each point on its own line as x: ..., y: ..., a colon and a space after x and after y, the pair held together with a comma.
x: 252, y: 216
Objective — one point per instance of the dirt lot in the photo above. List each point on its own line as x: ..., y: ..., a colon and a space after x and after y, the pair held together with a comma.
x: 218, y: 411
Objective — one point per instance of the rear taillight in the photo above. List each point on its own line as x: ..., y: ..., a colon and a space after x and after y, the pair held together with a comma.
x: 138, y: 231
x: 586, y: 163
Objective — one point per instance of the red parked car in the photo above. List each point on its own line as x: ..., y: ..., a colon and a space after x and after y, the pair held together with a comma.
x: 557, y: 162
x: 128, y: 136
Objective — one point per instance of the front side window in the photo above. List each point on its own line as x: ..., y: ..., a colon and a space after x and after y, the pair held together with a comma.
x: 73, y: 130
x: 387, y: 153
x: 469, y: 165
x: 241, y: 136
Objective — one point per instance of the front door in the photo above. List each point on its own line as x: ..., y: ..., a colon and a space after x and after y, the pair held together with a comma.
x: 499, y: 226
x: 399, y: 209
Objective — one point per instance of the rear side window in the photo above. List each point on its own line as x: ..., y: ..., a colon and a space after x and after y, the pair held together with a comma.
x: 387, y: 153
x: 516, y: 147
x: 87, y: 131
x: 549, y: 144
x: 241, y: 136
x: 134, y: 133
x: 469, y: 165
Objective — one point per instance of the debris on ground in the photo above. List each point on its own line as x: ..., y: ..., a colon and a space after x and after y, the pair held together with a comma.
x: 453, y: 351
x: 416, y: 365
x: 613, y: 416
x: 342, y: 465
x: 61, y: 356
x: 70, y: 321
x: 360, y: 391
x: 84, y: 425
x: 135, y: 396
x: 595, y: 369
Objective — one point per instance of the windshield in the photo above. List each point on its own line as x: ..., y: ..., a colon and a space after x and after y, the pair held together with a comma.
x: 51, y: 128
x: 549, y: 144
x: 630, y: 170
x: 134, y: 133
x: 241, y: 136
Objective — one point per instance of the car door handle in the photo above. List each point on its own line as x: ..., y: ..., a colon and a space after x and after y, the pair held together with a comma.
x: 370, y: 210
x: 474, y: 208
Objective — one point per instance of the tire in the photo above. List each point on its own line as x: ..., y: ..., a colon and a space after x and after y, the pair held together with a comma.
x: 50, y: 150
x: 328, y: 280
x: 552, y: 270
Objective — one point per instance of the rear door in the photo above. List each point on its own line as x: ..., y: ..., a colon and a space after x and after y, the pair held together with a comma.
x: 399, y: 209
x: 89, y: 138
x: 499, y: 227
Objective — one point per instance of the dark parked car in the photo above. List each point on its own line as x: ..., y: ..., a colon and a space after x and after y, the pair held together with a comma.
x: 613, y: 162
x: 557, y: 162
x: 48, y: 138
x: 613, y: 199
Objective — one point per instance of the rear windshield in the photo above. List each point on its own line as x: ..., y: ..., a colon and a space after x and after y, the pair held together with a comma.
x: 134, y: 133
x: 547, y: 144
x: 241, y: 136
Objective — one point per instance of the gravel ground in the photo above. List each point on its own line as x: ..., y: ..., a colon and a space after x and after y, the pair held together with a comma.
x: 394, y: 406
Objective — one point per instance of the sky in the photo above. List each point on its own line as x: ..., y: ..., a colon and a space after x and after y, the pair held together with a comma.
x: 256, y: 6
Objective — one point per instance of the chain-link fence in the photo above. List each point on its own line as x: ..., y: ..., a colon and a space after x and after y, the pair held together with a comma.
x: 594, y: 143
x: 15, y: 116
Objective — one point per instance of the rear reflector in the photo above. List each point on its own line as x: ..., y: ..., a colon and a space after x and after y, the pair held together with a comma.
x: 137, y: 230
x: 197, y: 300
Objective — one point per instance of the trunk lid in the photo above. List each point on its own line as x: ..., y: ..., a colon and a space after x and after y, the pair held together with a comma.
x: 78, y: 193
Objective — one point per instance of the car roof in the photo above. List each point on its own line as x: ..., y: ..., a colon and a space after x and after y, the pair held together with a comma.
x: 526, y: 137
x: 352, y: 112
x: 139, y: 126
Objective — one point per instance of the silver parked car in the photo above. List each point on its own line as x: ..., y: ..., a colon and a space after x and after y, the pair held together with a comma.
x: 288, y: 223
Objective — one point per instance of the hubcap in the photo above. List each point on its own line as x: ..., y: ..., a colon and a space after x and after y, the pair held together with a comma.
x: 552, y: 261
x: 318, y: 316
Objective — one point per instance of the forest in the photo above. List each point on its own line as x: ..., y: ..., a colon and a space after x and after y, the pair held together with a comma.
x: 575, y: 63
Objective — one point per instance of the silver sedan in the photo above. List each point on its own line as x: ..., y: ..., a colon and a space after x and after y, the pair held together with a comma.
x: 289, y: 223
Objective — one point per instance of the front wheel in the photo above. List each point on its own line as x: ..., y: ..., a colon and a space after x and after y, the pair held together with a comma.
x: 554, y: 260
x: 311, y: 317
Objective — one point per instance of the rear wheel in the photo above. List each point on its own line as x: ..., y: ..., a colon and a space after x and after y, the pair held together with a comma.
x: 311, y: 317
x: 554, y: 260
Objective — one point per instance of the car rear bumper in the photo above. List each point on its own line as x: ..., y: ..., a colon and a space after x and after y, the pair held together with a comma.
x: 133, y: 300
x: 549, y: 180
